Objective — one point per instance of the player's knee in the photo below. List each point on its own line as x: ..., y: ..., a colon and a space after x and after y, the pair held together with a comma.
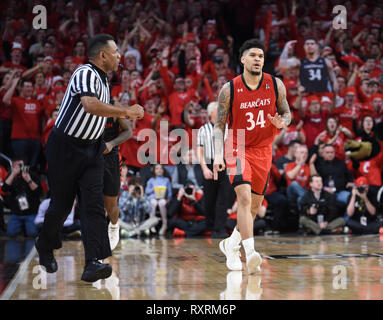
x: 244, y: 199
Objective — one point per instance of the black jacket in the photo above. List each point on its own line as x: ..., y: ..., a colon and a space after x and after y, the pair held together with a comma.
x: 325, y: 205
x: 14, y: 194
x: 336, y: 170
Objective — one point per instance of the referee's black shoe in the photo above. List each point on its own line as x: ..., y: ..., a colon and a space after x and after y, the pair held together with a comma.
x: 46, y: 258
x: 95, y: 270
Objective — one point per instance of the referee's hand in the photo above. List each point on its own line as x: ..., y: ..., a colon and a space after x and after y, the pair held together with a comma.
x: 135, y: 112
x: 218, y: 165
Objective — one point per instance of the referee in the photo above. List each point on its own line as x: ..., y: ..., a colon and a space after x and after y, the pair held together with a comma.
x: 75, y: 159
x: 216, y: 192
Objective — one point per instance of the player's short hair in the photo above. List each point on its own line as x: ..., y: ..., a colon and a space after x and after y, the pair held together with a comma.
x: 250, y: 44
x: 310, y: 38
x: 98, y: 43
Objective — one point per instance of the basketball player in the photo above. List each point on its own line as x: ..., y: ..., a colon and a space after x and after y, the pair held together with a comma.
x: 117, y: 131
x: 316, y: 73
x: 254, y: 102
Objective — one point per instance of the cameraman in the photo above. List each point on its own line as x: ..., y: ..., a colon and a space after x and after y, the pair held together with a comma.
x: 134, y: 205
x: 22, y: 191
x: 318, y: 211
x: 186, y: 211
x: 361, y: 209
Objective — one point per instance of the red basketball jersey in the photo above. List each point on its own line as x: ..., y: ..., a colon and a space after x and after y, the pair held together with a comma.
x: 249, y: 110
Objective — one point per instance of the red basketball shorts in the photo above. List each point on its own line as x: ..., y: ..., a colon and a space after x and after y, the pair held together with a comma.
x: 249, y: 165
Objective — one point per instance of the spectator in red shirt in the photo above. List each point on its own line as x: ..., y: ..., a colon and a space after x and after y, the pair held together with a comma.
x: 47, y: 69
x: 349, y: 111
x: 15, y: 63
x: 26, y: 123
x: 293, y: 132
x: 79, y: 56
x: 39, y: 89
x: 298, y: 174
x: 48, y: 127
x: 210, y: 41
x: 218, y: 65
x: 314, y: 118
x: 335, y: 135
x: 6, y: 113
x: 123, y: 88
x: 376, y: 101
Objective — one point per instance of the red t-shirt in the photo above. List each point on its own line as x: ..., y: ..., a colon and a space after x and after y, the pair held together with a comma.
x: 187, y: 211
x: 290, y: 135
x: 275, y: 176
x: 26, y: 118
x: 302, y: 177
x: 130, y: 149
x: 344, y: 116
x: 314, y: 124
x: 46, y: 131
x: 177, y: 102
x: 10, y: 64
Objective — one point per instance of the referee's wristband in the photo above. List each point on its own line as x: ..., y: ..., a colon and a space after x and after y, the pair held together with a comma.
x: 30, y: 181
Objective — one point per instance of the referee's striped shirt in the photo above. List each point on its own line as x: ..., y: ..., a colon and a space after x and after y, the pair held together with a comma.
x: 72, y: 119
x: 205, y: 139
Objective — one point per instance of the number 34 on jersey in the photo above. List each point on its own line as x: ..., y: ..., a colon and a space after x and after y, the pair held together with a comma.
x: 260, y: 121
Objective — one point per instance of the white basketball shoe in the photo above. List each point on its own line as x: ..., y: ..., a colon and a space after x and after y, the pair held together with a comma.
x: 253, y: 262
x: 233, y: 255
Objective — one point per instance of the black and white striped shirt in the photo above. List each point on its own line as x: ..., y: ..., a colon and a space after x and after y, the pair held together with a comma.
x: 72, y: 119
x: 205, y: 139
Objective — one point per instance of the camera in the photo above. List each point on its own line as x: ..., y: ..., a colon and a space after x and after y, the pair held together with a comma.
x: 218, y: 59
x: 23, y: 167
x: 361, y: 189
x: 189, y: 190
x: 137, y: 190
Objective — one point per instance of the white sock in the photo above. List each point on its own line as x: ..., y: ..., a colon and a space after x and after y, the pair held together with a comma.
x: 235, y: 238
x: 113, y: 225
x: 248, y: 245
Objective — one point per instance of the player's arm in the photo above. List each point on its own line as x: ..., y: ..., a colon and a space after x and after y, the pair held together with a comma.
x: 220, y: 124
x: 99, y: 108
x: 219, y: 127
x: 283, y: 117
x: 125, y: 133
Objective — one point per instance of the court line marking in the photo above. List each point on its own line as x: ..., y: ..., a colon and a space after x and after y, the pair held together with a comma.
x: 15, y: 281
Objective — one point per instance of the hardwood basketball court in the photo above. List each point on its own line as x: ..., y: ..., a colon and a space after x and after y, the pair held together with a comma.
x: 303, y: 268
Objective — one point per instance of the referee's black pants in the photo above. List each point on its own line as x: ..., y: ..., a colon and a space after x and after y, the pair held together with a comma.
x: 75, y: 169
x: 218, y: 196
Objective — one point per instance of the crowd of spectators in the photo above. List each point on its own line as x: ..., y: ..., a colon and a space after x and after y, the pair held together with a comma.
x: 176, y: 56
